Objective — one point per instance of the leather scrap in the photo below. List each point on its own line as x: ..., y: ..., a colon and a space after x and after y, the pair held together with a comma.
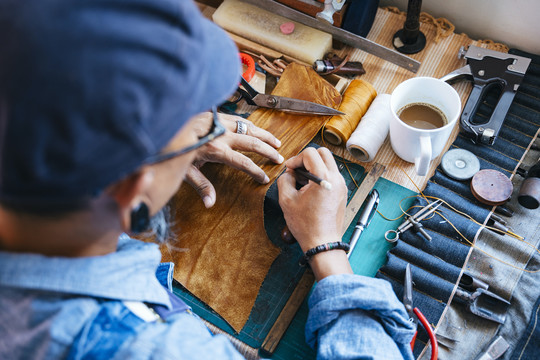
x: 223, y: 254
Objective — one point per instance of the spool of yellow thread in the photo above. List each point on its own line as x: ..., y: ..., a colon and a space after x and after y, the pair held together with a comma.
x: 356, y: 101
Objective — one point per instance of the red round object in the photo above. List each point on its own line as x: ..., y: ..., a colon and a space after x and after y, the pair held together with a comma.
x: 491, y: 187
x: 250, y: 63
x: 287, y: 28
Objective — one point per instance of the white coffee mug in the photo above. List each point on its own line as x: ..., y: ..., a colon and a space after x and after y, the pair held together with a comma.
x: 415, y: 145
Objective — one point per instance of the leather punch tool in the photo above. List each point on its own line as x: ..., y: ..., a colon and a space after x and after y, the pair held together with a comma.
x: 492, y: 72
x: 416, y: 315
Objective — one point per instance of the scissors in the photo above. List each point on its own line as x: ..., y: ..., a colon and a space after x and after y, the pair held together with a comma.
x: 416, y: 315
x: 253, y: 97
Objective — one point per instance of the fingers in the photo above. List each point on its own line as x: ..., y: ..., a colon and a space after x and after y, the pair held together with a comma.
x: 221, y: 152
x: 202, y: 185
x: 253, y: 144
x: 229, y: 121
x: 263, y: 135
x: 287, y: 186
x: 310, y: 159
x: 314, y: 163
x: 328, y: 158
x: 227, y: 148
x: 201, y: 123
x: 243, y: 163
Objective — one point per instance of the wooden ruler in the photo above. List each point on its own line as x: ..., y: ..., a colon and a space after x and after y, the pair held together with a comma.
x: 308, y: 279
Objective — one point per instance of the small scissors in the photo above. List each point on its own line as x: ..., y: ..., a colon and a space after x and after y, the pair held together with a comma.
x: 415, y: 315
x: 253, y: 97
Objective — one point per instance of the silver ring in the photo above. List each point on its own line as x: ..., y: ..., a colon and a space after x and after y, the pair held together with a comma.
x: 241, y: 127
x: 391, y: 236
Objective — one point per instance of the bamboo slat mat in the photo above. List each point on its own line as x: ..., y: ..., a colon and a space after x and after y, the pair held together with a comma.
x: 437, y: 59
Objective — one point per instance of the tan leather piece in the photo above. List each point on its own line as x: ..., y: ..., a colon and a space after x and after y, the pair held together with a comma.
x: 228, y: 252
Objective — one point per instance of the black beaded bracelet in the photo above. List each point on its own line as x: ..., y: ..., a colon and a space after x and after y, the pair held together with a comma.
x: 321, y: 248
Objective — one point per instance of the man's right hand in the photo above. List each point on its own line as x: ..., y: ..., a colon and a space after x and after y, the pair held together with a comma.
x: 313, y: 214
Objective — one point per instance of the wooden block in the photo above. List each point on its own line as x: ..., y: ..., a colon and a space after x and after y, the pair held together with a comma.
x: 263, y: 27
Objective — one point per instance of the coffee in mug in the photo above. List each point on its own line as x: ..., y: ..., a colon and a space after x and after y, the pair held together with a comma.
x: 422, y: 116
x: 421, y: 143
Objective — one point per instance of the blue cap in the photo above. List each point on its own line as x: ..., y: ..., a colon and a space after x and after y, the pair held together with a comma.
x: 90, y: 88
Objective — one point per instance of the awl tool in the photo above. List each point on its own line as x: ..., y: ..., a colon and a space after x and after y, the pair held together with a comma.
x: 491, y: 71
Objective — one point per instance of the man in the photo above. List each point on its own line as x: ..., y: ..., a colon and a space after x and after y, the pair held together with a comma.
x: 102, y: 116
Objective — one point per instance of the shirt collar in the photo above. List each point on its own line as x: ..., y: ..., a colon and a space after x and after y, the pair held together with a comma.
x: 127, y: 274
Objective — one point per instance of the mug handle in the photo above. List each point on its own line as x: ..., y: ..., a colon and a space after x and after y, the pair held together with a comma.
x: 422, y: 161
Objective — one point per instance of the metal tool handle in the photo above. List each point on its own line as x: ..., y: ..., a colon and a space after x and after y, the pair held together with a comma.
x: 485, y: 133
x: 470, y: 109
x: 370, y: 207
x: 417, y: 226
x: 249, y: 89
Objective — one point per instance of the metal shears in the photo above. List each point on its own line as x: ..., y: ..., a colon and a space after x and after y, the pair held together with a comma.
x: 416, y: 315
x: 253, y: 97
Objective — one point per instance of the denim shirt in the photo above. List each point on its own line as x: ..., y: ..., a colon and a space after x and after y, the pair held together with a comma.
x: 75, y: 308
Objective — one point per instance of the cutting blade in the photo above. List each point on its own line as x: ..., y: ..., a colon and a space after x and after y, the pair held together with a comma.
x: 407, y: 291
x: 293, y: 105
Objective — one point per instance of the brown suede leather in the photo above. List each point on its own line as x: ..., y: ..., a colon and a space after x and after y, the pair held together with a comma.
x: 228, y: 252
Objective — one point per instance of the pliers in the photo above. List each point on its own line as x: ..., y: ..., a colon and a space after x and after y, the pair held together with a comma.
x: 416, y: 315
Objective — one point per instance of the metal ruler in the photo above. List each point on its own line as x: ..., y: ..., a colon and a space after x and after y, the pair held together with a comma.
x: 344, y: 36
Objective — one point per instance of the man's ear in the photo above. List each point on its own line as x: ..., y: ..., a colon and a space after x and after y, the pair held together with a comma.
x: 130, y: 192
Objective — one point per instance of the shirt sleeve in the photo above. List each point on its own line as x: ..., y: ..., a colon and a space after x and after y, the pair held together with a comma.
x: 358, y: 317
x: 184, y: 337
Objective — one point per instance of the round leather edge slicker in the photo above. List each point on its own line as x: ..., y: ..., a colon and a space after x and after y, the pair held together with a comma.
x: 460, y: 164
x: 491, y: 187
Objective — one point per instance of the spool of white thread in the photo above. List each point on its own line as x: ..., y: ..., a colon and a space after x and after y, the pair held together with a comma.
x: 372, y: 130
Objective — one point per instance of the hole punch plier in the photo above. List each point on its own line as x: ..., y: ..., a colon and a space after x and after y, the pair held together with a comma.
x: 416, y: 315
